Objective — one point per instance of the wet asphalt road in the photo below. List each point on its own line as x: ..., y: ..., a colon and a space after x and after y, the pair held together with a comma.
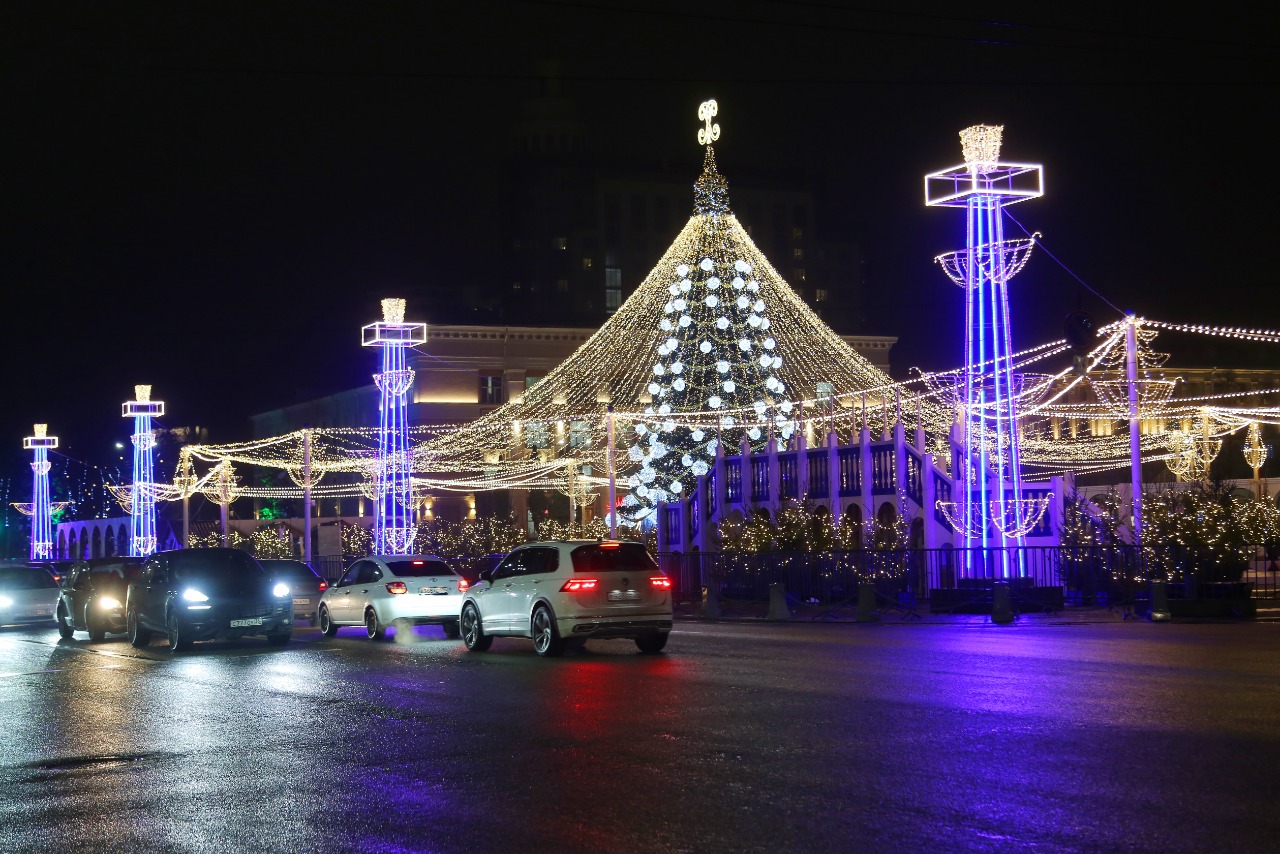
x: 743, y: 737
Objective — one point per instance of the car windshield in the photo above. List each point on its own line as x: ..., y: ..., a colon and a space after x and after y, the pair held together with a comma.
x: 289, y: 569
x: 418, y: 568
x: 613, y: 557
x: 195, y: 565
x: 25, y: 579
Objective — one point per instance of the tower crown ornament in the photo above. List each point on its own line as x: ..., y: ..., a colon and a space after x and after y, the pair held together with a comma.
x: 707, y: 111
x: 981, y: 146
x: 393, y: 311
x: 142, y: 393
x: 41, y: 430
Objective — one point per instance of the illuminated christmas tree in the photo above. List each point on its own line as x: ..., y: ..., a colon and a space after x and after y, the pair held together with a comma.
x: 717, y: 354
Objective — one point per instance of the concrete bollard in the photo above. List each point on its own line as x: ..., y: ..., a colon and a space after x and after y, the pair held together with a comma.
x: 1001, y: 604
x: 1159, y: 602
x: 866, y: 612
x: 710, y: 602
x: 778, y: 602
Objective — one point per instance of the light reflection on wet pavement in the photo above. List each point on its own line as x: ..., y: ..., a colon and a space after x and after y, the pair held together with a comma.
x: 743, y: 737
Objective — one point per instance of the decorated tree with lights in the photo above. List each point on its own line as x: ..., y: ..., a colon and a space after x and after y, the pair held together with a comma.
x: 716, y: 355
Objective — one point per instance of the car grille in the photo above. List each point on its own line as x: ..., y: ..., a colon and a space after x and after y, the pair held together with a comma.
x: 255, y: 610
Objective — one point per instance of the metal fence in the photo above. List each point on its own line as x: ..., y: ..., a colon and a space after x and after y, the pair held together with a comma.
x: 1099, y: 575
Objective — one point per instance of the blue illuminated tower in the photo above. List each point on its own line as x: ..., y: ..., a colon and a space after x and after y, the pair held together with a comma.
x: 41, y: 508
x: 990, y: 509
x: 393, y: 467
x: 142, y: 495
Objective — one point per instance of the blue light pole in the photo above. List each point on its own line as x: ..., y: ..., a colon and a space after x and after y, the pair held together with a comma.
x: 142, y: 495
x: 41, y: 507
x: 990, y: 509
x: 393, y: 468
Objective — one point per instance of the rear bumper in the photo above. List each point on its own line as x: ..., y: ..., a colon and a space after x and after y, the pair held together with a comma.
x: 579, y: 627
x: 421, y: 610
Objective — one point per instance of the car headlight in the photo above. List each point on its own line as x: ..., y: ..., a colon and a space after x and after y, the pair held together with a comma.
x: 5, y: 601
x: 281, y: 589
x: 108, y: 602
x: 193, y: 595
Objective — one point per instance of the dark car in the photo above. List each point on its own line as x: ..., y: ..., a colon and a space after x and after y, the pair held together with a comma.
x: 92, y: 596
x: 304, y: 585
x: 200, y: 594
x: 56, y: 568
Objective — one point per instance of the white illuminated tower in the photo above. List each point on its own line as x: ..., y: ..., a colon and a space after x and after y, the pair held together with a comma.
x: 41, y: 507
x: 142, y: 495
x: 989, y: 508
x: 393, y: 467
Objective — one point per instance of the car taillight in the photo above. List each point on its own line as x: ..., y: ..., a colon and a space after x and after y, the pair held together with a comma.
x: 463, y: 584
x: 660, y: 581
x: 397, y: 587
x: 577, y: 585
x: 324, y: 585
x: 609, y: 545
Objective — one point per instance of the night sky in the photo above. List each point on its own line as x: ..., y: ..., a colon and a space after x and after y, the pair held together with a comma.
x: 213, y: 197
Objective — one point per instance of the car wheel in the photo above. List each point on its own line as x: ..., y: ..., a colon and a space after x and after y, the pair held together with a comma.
x: 652, y: 643
x: 373, y: 626
x: 328, y: 627
x: 281, y: 637
x: 138, y: 636
x: 178, y: 639
x: 97, y: 631
x: 65, y: 630
x: 546, y: 638
x: 473, y: 636
x: 451, y: 629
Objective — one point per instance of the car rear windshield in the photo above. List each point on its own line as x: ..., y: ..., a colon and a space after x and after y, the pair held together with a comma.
x: 193, y: 564
x: 25, y: 579
x: 418, y: 568
x: 606, y: 557
x: 289, y: 569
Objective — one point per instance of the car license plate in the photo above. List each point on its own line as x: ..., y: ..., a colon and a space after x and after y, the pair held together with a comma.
x: 623, y: 595
x: 433, y: 591
x: 42, y: 611
x: 302, y: 602
x: 251, y: 621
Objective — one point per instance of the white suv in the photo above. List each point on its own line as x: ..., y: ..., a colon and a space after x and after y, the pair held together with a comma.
x: 558, y: 592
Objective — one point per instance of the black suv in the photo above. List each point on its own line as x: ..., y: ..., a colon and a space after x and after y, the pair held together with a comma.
x: 198, y: 594
x: 92, y: 596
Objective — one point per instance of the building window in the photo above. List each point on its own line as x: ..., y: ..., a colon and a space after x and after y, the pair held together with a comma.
x: 515, y: 286
x: 562, y: 285
x: 586, y: 263
x: 798, y: 253
x: 820, y: 295
x: 490, y: 391
x: 799, y: 274
x: 797, y: 233
x: 562, y: 243
x: 612, y: 288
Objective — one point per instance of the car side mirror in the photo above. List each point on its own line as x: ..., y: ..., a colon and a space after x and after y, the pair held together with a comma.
x: 486, y: 575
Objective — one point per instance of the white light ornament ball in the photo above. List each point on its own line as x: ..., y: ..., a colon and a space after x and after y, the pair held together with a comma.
x: 786, y: 406
x: 676, y: 487
x: 636, y: 453
x: 728, y: 421
x: 672, y: 343
x: 722, y: 323
x: 759, y: 406
x: 677, y: 368
x: 754, y: 433
x: 680, y: 304
x: 686, y: 461
x: 705, y: 346
x: 741, y: 266
x: 679, y: 384
x: 766, y: 323
x: 682, y: 270
x: 707, y: 265
x: 714, y: 401
x: 685, y: 320
x: 674, y: 290
x: 654, y: 388
x: 700, y: 468
x: 659, y: 370
x: 753, y: 286
x: 713, y: 446
x: 664, y: 409
x: 754, y: 321
x: 743, y: 302
x: 769, y: 343
x: 685, y: 286
x: 713, y: 283
x: 669, y: 425
x: 666, y: 325
x: 711, y: 301
x: 642, y: 491
x: 629, y: 501
x: 697, y: 435
x: 744, y: 345
x: 737, y: 283
x: 777, y: 362
x: 641, y: 429
x: 722, y: 367
x: 759, y: 306
x: 730, y: 386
